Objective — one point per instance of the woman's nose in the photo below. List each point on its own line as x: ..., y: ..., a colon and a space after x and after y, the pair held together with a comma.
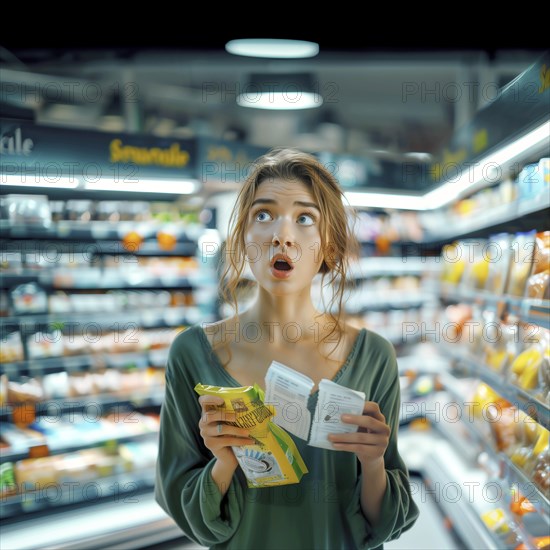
x: 283, y: 239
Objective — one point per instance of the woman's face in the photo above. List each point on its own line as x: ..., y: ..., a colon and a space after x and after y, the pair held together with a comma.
x: 283, y: 237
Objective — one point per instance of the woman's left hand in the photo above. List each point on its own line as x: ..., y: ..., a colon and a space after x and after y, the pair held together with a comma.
x: 370, y: 440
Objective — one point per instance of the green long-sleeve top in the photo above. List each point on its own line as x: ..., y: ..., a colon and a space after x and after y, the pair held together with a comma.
x: 323, y: 511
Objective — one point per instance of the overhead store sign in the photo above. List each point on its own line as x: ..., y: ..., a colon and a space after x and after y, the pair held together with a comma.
x: 226, y: 161
x: 373, y: 174
x: 517, y: 107
x: 31, y: 151
x: 40, y: 152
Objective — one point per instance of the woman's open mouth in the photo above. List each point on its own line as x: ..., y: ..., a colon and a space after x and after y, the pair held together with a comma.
x: 281, y: 266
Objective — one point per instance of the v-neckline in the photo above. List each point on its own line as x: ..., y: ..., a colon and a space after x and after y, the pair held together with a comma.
x: 337, y: 375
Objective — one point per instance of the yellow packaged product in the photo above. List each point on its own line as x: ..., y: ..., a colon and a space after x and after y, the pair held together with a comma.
x: 274, y: 458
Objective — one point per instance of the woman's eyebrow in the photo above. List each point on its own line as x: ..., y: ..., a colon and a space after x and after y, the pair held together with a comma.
x: 296, y: 203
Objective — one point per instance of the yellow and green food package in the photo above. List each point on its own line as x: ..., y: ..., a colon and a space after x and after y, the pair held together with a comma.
x: 273, y: 459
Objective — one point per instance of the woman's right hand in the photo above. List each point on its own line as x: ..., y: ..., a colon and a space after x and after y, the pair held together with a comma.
x: 219, y: 440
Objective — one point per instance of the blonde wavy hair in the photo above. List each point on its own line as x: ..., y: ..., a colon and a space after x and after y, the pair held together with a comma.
x: 339, y: 244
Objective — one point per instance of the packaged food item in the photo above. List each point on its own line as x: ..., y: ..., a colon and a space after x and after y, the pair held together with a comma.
x: 26, y: 390
x: 541, y: 261
x: 529, y: 369
x: 496, y: 521
x: 499, y: 253
x: 57, y: 209
x: 45, y: 344
x: 132, y: 240
x: 473, y: 335
x: 527, y: 433
x: 502, y: 418
x: 501, y: 350
x: 274, y: 458
x: 533, y: 179
x: 538, y: 286
x: 541, y: 472
x: 538, y: 283
x: 525, y: 367
x: 482, y: 398
x: 7, y: 480
x: 29, y: 209
x: 534, y: 463
x: 80, y: 210
x: 523, y: 249
x: 541, y: 543
x: 476, y: 269
x: 29, y: 298
x: 11, y: 348
x: 453, y: 263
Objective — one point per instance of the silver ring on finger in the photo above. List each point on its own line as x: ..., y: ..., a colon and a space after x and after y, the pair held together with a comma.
x: 219, y: 428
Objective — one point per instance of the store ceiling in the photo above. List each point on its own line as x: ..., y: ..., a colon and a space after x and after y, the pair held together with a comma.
x: 380, y: 100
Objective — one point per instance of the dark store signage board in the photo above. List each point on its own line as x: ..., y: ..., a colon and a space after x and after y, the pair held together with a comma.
x: 518, y: 107
x: 51, y: 152
x: 373, y: 174
x: 226, y: 162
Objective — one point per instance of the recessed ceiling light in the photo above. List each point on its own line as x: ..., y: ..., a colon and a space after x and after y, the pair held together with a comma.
x: 280, y: 92
x: 272, y: 47
x: 280, y: 101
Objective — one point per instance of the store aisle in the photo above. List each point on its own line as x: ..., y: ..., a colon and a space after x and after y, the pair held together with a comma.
x: 429, y: 532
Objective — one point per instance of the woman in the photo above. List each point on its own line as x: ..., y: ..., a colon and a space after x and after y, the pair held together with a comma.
x: 289, y: 225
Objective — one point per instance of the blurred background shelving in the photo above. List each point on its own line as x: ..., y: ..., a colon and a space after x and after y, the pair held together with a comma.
x: 95, y: 283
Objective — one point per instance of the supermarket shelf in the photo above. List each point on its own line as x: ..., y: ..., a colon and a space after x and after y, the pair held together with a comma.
x: 532, y: 311
x: 394, y: 267
x: 465, y: 519
x: 363, y: 302
x: 79, y: 362
x: 444, y: 467
x: 123, y: 486
x: 111, y: 524
x: 77, y: 445
x: 529, y: 310
x: 421, y: 364
x: 151, y: 317
x: 508, y: 470
x: 521, y: 399
x: 527, y: 488
x: 149, y: 248
x: 148, y: 397
x: 94, y: 279
x: 441, y: 467
x: 91, y: 231
x: 532, y: 212
x: 50, y: 250
x: 396, y: 335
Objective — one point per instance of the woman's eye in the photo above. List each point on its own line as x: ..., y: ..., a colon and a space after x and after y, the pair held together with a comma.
x: 305, y: 219
x: 262, y: 216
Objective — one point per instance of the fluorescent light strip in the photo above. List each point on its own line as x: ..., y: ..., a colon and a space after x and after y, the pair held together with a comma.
x: 272, y: 48
x: 279, y: 101
x: 178, y: 187
x: 385, y: 200
x: 30, y: 181
x: 535, y: 142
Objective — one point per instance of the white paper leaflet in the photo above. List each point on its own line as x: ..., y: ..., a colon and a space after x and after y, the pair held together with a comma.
x: 289, y: 391
x: 334, y: 401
